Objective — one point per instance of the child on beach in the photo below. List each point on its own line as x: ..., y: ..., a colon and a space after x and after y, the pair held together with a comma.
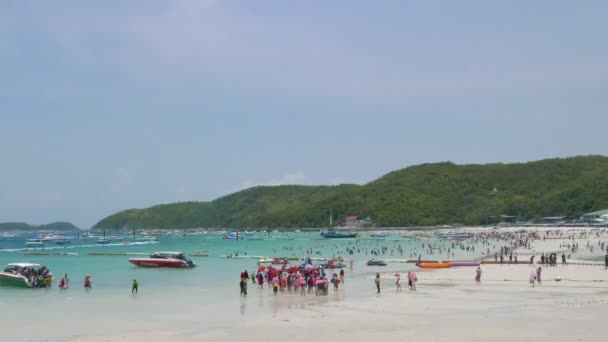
x: 377, y: 281
x: 87, y: 282
x: 275, y: 285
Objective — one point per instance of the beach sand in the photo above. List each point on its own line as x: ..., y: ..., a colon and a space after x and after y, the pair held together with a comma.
x: 447, y: 306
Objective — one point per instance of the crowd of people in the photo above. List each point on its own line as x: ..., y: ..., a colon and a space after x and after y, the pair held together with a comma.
x: 303, y: 279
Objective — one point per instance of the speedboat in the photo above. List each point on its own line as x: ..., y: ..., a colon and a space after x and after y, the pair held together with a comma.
x: 26, y: 275
x: 455, y: 235
x: 164, y: 259
x: 146, y: 239
x: 375, y: 262
x: 378, y: 235
x: 232, y: 236
x: 103, y: 241
x: 332, y: 234
x: 34, y: 243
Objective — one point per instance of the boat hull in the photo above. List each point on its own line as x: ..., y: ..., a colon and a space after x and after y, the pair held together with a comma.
x: 13, y: 280
x: 339, y: 236
x: 158, y: 263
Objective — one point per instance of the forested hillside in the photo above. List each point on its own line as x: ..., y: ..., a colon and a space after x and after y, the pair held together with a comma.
x: 427, y: 194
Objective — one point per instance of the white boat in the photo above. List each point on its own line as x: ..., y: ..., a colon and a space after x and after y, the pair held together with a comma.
x: 34, y: 243
x: 146, y: 238
x: 59, y: 240
x: 22, y: 274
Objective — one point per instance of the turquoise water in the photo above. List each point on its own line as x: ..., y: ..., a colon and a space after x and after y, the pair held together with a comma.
x: 213, y: 271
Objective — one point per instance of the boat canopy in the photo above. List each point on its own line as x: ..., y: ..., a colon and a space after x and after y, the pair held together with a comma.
x: 24, y: 265
x: 176, y: 255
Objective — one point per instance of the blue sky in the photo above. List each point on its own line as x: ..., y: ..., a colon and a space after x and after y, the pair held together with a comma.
x: 107, y: 105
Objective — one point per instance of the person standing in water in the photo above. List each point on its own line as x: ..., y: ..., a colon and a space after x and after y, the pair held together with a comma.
x: 87, y: 282
x: 134, y: 286
x: 243, y: 285
x: 275, y: 285
x: 377, y: 281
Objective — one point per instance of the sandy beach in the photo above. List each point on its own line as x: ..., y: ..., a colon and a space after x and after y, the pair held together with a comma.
x: 448, y: 305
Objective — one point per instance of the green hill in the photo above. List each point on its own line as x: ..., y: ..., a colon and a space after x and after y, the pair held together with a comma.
x: 427, y: 194
x: 55, y: 226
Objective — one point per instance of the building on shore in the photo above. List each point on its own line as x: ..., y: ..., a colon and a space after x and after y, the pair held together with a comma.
x: 358, y: 221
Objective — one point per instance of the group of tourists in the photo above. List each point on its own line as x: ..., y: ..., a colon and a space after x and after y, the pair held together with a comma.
x: 37, y: 278
x: 305, y: 279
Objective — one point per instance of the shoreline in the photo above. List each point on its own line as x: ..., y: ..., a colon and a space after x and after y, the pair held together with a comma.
x: 503, y: 307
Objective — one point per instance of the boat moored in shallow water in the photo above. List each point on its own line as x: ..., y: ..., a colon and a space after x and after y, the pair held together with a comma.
x: 375, y: 262
x: 164, y: 259
x: 333, y: 234
x: 26, y: 275
x: 35, y: 243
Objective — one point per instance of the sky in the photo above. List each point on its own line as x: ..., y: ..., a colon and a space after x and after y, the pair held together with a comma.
x: 109, y: 105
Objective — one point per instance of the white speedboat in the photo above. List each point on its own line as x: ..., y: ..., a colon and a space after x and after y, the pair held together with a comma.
x: 26, y: 275
x: 34, y: 243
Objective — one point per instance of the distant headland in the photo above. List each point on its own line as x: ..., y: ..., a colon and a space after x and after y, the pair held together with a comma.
x: 21, y: 226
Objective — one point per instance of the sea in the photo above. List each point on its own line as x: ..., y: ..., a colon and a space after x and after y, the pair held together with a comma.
x: 208, y: 292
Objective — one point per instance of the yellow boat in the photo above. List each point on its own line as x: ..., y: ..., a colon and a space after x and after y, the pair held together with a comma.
x: 435, y: 265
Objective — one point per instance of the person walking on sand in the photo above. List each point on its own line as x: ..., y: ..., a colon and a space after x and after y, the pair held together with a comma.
x: 563, y: 259
x: 538, y: 272
x: 87, y: 282
x: 398, y: 281
x: 478, y: 274
x: 413, y: 280
x: 377, y: 281
x: 532, y: 276
x: 134, y: 286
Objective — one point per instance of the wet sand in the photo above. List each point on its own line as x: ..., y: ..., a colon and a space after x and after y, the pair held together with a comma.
x: 447, y: 306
